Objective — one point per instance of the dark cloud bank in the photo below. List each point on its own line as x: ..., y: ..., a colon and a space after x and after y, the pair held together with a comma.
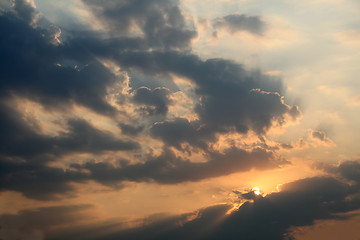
x: 299, y: 203
x: 35, y: 65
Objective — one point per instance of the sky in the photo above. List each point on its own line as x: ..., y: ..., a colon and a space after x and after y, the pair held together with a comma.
x: 179, y: 119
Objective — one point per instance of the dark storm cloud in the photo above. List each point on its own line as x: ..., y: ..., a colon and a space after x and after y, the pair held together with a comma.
x: 350, y: 170
x: 35, y: 66
x: 29, y: 67
x: 82, y: 137
x: 19, y: 139
x: 156, y: 101
x: 272, y: 217
x: 37, y: 181
x: 140, y: 79
x: 180, y: 130
x: 230, y: 96
x: 161, y: 21
x: 23, y: 10
x: 299, y: 203
x: 169, y: 169
x: 245, y: 110
x: 24, y: 154
x: 240, y: 22
x: 130, y: 129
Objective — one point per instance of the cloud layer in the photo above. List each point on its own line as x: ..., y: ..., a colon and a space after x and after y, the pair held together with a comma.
x: 131, y: 101
x: 273, y: 216
x: 74, y: 71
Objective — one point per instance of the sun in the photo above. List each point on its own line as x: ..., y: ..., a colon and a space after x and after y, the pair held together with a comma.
x: 256, y: 190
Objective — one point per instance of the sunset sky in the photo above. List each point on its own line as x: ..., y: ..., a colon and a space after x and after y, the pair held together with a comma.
x: 179, y: 119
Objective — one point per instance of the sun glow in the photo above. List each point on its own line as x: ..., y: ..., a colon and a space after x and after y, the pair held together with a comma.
x: 256, y: 190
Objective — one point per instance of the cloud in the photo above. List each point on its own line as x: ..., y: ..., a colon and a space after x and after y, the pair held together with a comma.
x: 240, y: 22
x: 157, y: 100
x: 38, y: 181
x: 230, y: 96
x: 274, y: 216
x: 25, y: 154
x: 147, y: 39
x: 320, y: 135
x: 313, y: 139
x: 161, y: 23
x: 59, y: 75
x: 130, y: 129
x: 34, y: 67
x: 349, y: 170
x: 24, y: 10
x: 298, y: 204
x: 180, y: 130
x: 19, y: 139
x: 85, y: 138
x: 169, y: 169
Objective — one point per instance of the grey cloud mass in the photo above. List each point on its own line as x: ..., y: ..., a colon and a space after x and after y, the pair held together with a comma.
x: 156, y: 101
x: 149, y: 41
x: 19, y: 139
x: 180, y: 130
x: 30, y: 67
x: 37, y: 181
x: 36, y: 66
x: 169, y: 169
x: 240, y: 22
x: 131, y: 130
x: 161, y: 22
x: 230, y: 96
x: 320, y: 135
